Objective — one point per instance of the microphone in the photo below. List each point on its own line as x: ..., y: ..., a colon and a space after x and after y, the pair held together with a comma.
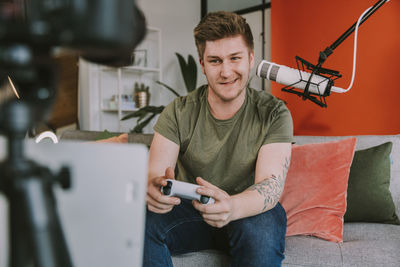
x: 319, y: 85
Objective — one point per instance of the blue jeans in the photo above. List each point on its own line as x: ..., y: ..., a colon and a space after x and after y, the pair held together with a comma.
x: 254, y: 241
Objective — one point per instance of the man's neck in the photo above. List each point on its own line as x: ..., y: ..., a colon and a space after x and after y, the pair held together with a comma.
x: 224, y: 110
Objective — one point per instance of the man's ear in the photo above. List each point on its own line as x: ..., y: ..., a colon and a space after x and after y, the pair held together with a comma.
x: 251, y: 59
x: 201, y: 61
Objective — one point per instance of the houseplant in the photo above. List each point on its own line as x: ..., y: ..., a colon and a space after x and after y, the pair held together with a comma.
x: 141, y: 95
x: 145, y: 114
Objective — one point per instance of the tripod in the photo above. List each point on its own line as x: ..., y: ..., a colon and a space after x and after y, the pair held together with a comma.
x: 104, y: 32
x: 36, y: 236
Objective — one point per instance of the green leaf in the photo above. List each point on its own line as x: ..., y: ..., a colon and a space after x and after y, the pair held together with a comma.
x: 141, y: 117
x: 143, y: 112
x: 189, y: 71
x: 139, y: 127
x: 191, y: 75
x: 168, y: 87
x: 134, y: 114
x: 182, y: 65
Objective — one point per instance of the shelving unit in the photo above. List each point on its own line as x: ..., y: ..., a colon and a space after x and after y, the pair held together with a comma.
x: 110, y: 86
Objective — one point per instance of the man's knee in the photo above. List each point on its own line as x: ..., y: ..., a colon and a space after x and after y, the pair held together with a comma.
x: 266, y: 230
x: 258, y: 240
x: 272, y: 221
x: 159, y: 225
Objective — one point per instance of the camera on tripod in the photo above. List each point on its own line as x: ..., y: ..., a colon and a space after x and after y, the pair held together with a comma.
x: 101, y: 31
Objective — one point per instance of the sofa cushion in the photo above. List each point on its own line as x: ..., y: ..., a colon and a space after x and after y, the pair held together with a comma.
x: 311, y: 251
x: 371, y: 253
x: 371, y: 244
x: 315, y: 191
x: 370, y: 231
x: 368, y: 195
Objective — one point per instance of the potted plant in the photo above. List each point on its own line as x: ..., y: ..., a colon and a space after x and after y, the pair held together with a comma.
x: 147, y: 113
x: 141, y: 95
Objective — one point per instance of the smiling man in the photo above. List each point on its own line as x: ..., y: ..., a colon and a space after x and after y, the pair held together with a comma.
x: 232, y: 140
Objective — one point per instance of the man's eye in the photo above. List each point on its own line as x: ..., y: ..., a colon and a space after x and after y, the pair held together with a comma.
x: 235, y: 58
x: 214, y: 61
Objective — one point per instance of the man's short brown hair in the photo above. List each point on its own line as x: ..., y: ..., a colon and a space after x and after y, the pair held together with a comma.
x: 219, y: 25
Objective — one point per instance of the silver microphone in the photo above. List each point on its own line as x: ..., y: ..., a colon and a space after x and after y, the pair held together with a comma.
x: 319, y: 85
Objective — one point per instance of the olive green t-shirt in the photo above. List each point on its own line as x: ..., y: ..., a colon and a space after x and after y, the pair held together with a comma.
x: 223, y: 152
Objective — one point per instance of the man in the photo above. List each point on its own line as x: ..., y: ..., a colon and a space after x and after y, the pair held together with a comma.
x: 235, y: 143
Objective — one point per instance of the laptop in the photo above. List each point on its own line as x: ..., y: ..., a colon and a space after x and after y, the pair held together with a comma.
x: 103, y: 214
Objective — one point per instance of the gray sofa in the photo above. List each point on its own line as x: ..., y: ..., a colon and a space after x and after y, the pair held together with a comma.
x: 364, y: 244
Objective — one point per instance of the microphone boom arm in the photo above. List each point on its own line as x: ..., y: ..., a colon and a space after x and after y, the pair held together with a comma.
x: 329, y: 50
x: 323, y: 55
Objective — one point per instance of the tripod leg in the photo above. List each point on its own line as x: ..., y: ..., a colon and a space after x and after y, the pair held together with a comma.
x: 20, y: 253
x: 43, y: 237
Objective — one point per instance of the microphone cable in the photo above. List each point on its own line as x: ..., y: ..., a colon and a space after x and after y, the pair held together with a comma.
x: 355, y: 49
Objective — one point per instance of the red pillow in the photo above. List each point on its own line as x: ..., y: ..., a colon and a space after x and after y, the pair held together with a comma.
x: 315, y: 192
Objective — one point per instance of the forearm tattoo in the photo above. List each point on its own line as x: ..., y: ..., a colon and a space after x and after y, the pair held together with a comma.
x: 272, y: 187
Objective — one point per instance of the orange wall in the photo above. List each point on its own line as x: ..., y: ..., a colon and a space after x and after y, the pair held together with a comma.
x: 306, y: 27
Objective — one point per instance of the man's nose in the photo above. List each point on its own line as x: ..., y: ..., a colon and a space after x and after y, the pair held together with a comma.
x: 226, y: 69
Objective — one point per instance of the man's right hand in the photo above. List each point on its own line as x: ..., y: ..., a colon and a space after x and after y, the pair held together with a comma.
x: 156, y: 201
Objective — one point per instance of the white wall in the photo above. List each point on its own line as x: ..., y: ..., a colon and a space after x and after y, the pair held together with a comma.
x: 176, y: 19
x: 254, y: 19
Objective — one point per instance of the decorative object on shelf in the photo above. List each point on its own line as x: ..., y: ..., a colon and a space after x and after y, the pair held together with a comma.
x: 127, y: 103
x: 189, y: 73
x: 139, y: 58
x: 141, y: 95
x: 110, y: 104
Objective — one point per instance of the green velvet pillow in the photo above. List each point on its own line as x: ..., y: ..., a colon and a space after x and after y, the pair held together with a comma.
x: 368, y: 195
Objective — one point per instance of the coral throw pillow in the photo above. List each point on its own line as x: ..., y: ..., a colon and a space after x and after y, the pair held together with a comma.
x: 315, y: 191
x: 123, y: 138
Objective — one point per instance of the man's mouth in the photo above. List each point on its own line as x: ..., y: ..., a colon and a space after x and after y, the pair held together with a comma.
x: 229, y: 82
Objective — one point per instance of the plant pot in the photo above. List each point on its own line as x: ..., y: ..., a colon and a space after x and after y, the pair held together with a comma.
x: 142, y: 99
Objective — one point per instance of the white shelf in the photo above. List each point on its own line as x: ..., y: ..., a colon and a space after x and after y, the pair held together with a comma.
x: 143, y: 69
x: 134, y: 69
x: 116, y: 110
x: 108, y: 83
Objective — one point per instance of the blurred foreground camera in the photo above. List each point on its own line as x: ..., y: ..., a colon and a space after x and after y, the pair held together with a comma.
x: 101, y: 31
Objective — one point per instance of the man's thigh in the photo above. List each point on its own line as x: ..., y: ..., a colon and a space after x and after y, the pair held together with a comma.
x: 182, y: 229
x: 258, y: 240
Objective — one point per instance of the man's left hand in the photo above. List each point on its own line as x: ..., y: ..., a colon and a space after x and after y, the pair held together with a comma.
x: 218, y: 214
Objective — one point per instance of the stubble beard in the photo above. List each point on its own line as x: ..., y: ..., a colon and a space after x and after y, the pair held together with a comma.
x: 230, y: 99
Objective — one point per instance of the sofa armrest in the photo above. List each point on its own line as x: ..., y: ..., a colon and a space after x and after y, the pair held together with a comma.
x: 79, y: 135
x: 92, y: 136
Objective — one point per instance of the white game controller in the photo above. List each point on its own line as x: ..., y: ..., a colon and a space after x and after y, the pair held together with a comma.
x: 176, y: 188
